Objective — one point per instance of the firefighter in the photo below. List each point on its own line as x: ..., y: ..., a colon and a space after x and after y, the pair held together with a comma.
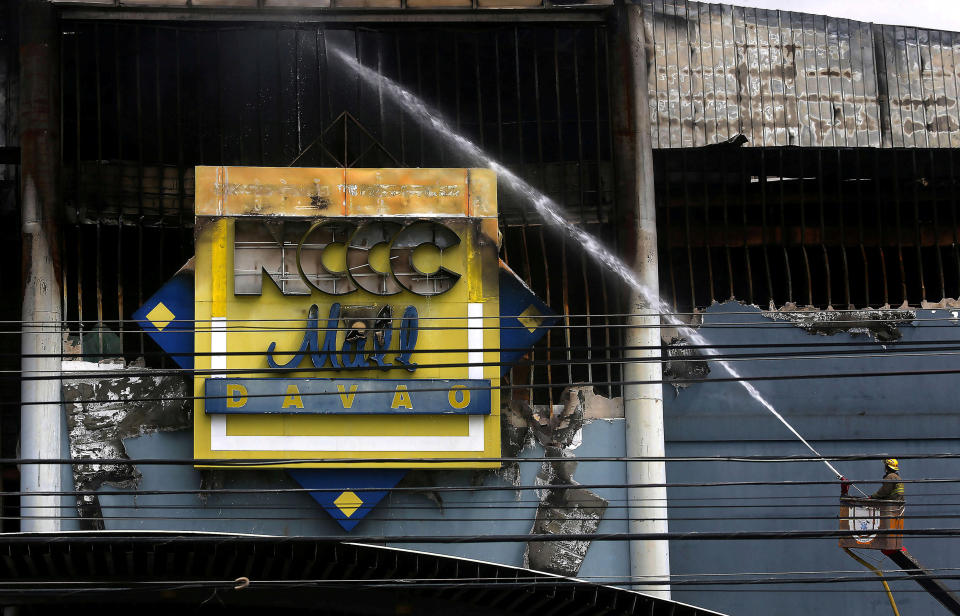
x: 892, y: 488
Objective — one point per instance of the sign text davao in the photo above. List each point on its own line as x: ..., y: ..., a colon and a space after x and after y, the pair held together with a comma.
x: 353, y: 314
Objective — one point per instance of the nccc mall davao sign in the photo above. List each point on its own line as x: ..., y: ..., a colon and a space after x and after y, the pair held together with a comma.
x: 347, y: 313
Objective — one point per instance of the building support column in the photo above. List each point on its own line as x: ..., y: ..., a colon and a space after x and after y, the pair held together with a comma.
x: 643, y: 404
x: 41, y: 413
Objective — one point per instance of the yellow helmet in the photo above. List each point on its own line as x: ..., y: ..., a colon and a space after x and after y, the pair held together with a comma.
x: 892, y: 463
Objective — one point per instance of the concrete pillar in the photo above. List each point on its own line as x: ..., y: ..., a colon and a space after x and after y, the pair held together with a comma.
x: 643, y: 404
x: 41, y: 412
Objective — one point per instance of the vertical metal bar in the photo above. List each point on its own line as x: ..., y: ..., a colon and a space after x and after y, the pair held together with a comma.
x: 597, y: 84
x: 564, y: 280
x: 181, y: 191
x: 935, y: 206
x: 281, y: 124
x: 527, y: 277
x: 707, y: 229
x: 324, y: 82
x: 685, y: 184
x: 667, y: 158
x: 201, y: 157
x: 803, y: 226
x: 954, y: 222
x: 479, y: 88
x: 401, y: 115
x: 744, y: 178
x: 120, y: 313
x: 722, y: 170
x: 78, y: 117
x: 100, y: 199
x: 860, y: 238
x: 383, y: 124
x: 160, y: 166
x: 896, y: 201
x: 258, y: 33
x: 456, y: 83
x: 819, y: 153
x: 565, y: 295
x: 298, y: 89
x: 546, y: 278
x: 420, y: 55
x: 914, y: 193
x: 784, y: 230
x: 117, y: 91
x: 79, y: 179
x: 878, y: 199
x: 138, y: 93
x: 582, y: 198
x: 99, y: 99
x: 442, y: 148
x: 823, y: 228
x: 763, y: 223
x: 542, y: 173
x: 618, y: 301
x: 218, y: 59
x: 79, y: 245
x: 498, y: 82
x: 839, y: 207
x: 99, y: 281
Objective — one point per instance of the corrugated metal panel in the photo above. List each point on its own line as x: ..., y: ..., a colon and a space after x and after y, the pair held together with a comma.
x: 783, y: 78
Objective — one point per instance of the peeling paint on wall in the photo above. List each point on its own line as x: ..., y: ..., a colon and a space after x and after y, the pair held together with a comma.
x: 559, y: 429
x: 683, y: 364
x: 881, y: 325
x: 103, y: 411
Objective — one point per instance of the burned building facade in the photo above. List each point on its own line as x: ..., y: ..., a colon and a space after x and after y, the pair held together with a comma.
x: 806, y: 227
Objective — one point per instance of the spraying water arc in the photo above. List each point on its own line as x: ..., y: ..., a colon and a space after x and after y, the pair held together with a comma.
x: 550, y: 211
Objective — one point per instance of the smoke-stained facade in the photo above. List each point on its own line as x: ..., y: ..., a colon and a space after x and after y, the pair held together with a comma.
x: 805, y: 200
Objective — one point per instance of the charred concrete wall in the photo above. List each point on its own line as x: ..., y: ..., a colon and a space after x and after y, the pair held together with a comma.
x: 785, y: 78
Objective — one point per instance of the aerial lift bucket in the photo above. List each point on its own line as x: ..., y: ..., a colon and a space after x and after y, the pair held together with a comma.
x: 867, y: 516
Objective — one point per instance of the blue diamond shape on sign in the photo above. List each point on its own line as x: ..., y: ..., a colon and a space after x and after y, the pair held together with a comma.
x: 524, y: 319
x: 347, y: 494
x: 167, y: 317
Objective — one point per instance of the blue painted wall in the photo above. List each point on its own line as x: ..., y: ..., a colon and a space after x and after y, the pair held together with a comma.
x: 899, y: 415
x: 464, y: 513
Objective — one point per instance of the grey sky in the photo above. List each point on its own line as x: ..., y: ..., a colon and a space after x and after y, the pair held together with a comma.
x: 934, y: 14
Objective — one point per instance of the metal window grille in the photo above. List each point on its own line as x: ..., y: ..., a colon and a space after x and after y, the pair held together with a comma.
x: 143, y: 104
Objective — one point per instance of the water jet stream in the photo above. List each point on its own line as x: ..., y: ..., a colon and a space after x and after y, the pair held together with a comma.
x: 550, y: 211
